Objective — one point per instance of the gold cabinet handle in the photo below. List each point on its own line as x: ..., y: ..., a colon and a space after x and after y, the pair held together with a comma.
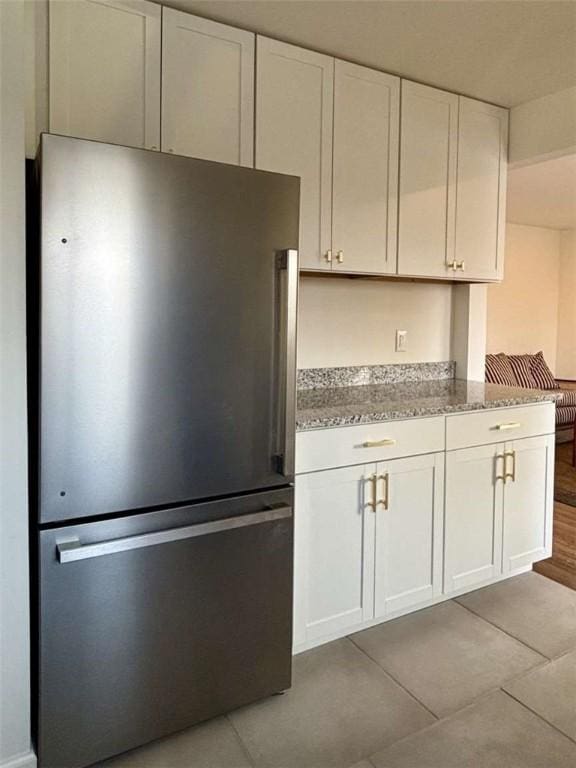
x: 509, y: 425
x: 386, y: 500
x: 511, y: 475
x: 461, y: 265
x: 328, y: 257
x: 373, y: 480
x: 340, y: 257
x: 378, y: 443
x: 452, y: 265
x: 497, y: 458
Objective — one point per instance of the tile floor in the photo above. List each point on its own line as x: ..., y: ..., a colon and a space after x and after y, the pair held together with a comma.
x: 484, y: 681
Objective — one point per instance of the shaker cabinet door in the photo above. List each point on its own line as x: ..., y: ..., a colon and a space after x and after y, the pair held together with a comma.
x: 207, y: 89
x: 528, y: 502
x: 365, y: 183
x: 294, y: 97
x: 481, y: 190
x: 334, y: 551
x: 428, y: 139
x: 105, y: 71
x: 409, y: 522
x: 473, y: 516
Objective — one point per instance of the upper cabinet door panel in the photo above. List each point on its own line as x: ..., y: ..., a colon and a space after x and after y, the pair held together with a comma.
x: 481, y: 189
x: 365, y: 170
x: 207, y: 89
x: 294, y: 99
x: 105, y: 71
x: 427, y: 181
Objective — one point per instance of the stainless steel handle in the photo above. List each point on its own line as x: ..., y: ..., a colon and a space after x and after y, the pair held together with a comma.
x: 378, y: 443
x: 509, y: 425
x: 73, y: 550
x: 290, y: 265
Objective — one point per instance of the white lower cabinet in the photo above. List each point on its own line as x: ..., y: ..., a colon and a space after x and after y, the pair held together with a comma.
x: 528, y: 502
x: 408, y: 548
x: 368, y: 543
x: 334, y: 551
x: 498, y: 517
x: 418, y: 523
x: 473, y: 517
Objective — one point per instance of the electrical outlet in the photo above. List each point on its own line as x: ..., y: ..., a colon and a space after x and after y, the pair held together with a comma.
x: 401, y: 341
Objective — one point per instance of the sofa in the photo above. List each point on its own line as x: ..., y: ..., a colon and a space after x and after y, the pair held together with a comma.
x: 532, y: 372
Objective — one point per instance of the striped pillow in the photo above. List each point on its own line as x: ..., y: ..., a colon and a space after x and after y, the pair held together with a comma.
x: 522, y: 371
x: 542, y: 374
x: 499, y: 371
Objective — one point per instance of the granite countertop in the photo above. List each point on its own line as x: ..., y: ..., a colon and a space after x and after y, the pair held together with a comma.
x: 368, y: 403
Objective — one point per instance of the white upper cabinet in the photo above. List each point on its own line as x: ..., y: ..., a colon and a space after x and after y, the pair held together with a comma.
x: 207, y: 89
x: 365, y: 170
x: 429, y: 137
x: 105, y: 71
x: 481, y: 189
x: 294, y: 99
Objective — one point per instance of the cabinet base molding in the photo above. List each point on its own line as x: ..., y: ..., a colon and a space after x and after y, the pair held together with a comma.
x: 344, y: 632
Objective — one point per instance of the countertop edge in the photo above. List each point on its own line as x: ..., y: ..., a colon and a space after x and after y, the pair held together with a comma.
x: 304, y: 424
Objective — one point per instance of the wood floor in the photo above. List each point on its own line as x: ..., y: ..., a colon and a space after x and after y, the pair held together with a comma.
x: 561, y: 566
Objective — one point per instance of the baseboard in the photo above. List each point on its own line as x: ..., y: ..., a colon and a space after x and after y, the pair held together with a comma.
x: 23, y: 760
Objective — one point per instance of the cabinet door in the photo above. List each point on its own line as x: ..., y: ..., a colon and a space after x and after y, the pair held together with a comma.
x: 428, y: 139
x: 481, y: 189
x: 334, y: 551
x: 365, y: 170
x: 409, y: 522
x: 528, y: 502
x: 294, y: 97
x: 473, y: 516
x: 207, y: 89
x: 105, y: 71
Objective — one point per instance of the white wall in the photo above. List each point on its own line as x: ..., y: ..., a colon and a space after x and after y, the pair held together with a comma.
x: 523, y: 309
x: 14, y: 602
x: 566, y: 350
x: 353, y: 322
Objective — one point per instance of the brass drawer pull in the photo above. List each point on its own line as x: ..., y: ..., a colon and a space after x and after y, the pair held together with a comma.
x: 378, y: 443
x: 328, y: 257
x: 509, y: 425
x: 340, y: 257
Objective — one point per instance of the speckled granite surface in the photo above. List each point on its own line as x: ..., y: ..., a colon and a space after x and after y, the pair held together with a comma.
x: 353, y: 376
x: 346, y: 405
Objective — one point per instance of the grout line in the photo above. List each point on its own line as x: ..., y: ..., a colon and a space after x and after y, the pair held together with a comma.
x: 398, y: 683
x: 243, y: 746
x: 538, y: 715
x: 505, y: 632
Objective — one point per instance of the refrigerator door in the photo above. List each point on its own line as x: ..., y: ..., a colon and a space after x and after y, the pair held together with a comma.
x: 151, y: 623
x: 166, y: 318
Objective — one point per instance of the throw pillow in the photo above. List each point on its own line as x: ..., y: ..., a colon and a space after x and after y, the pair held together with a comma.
x: 522, y: 371
x: 499, y: 370
x: 542, y: 374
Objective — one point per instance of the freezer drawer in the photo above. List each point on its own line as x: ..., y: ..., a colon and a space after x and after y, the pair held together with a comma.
x: 151, y: 623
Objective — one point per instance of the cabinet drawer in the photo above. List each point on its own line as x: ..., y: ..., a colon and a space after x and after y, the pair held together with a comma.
x: 498, y: 425
x: 345, y: 446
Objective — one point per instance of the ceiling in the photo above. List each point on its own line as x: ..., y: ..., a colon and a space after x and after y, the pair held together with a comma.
x: 544, y: 194
x: 503, y: 51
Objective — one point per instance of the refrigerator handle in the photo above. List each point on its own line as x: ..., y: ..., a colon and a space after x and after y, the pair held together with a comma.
x: 289, y: 263
x: 73, y: 550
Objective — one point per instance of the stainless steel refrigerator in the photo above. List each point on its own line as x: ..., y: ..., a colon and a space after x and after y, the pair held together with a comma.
x: 162, y: 324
